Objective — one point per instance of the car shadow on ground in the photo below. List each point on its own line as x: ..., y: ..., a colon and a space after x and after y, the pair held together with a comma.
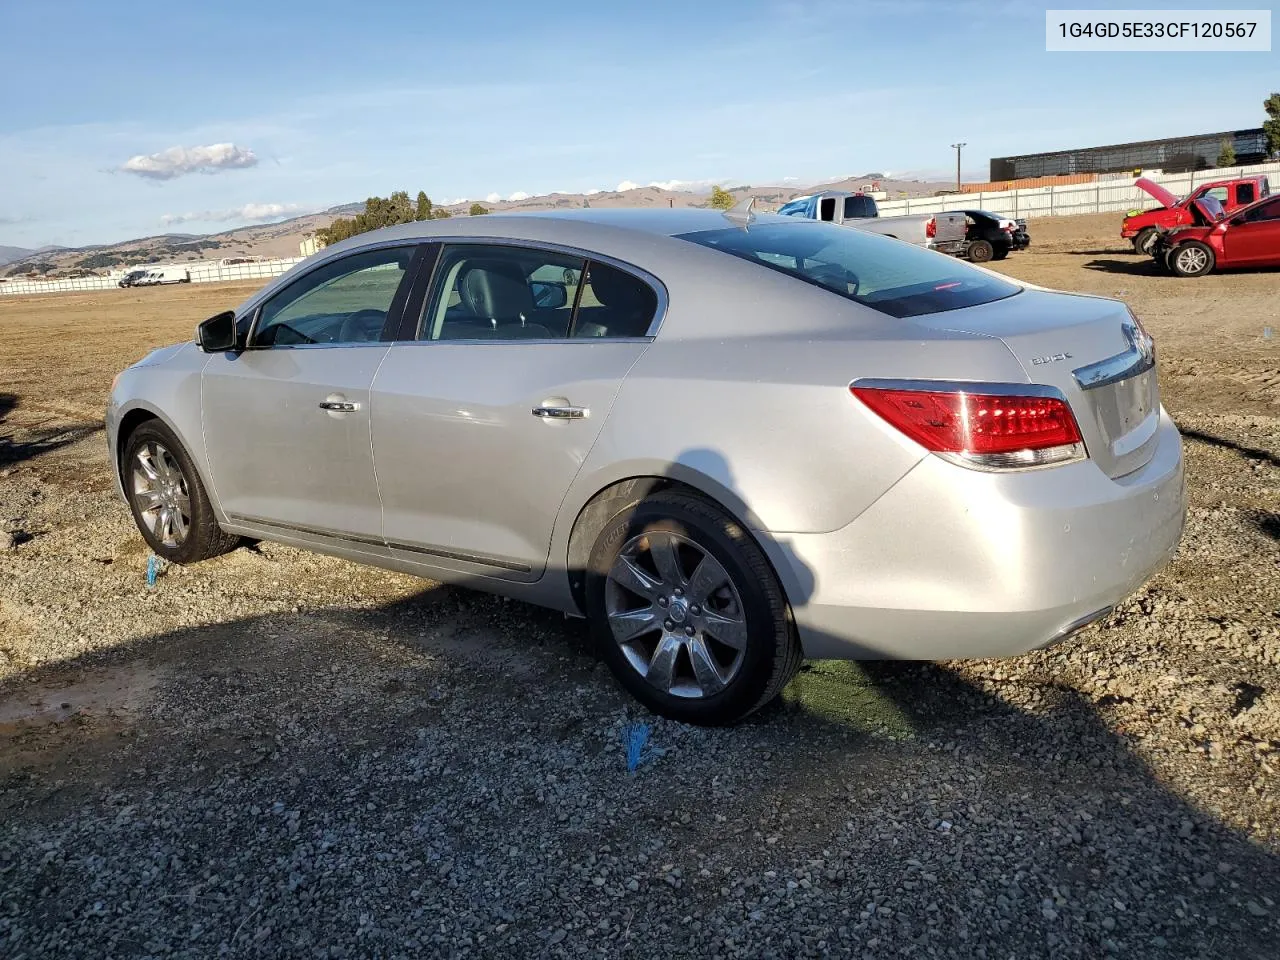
x: 406, y: 750
x: 34, y: 441
x: 1144, y: 267
x: 1250, y: 453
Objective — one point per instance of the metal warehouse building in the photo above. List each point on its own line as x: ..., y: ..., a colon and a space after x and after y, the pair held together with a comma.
x: 1175, y: 155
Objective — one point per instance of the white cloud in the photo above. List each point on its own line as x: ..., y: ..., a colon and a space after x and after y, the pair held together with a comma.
x: 592, y: 193
x: 518, y: 195
x: 253, y: 212
x: 493, y: 198
x: 626, y: 185
x: 179, y: 161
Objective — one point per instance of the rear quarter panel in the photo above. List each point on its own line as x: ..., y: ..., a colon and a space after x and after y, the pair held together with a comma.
x: 763, y: 421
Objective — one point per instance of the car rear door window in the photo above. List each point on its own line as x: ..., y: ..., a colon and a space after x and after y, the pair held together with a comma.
x: 614, y: 304
x: 504, y: 293
x: 493, y: 292
x: 346, y: 300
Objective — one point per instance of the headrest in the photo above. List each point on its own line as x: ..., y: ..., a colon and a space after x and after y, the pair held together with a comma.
x: 495, y: 290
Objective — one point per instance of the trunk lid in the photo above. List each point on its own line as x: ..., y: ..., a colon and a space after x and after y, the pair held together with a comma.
x: 1089, y: 348
x: 1165, y: 198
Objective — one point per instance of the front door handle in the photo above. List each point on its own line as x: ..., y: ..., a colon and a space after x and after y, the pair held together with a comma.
x: 339, y: 406
x: 561, y: 413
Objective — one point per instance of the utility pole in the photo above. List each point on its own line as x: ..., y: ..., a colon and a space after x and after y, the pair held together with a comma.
x: 957, y: 147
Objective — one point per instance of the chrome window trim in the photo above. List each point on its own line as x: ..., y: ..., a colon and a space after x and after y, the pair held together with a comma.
x: 656, y: 285
x: 1137, y: 360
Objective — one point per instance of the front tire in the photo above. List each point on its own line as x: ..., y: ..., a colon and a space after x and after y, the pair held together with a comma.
x: 167, y: 499
x: 1191, y: 259
x: 687, y: 612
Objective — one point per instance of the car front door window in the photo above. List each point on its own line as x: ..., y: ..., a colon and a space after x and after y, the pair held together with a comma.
x: 344, y: 301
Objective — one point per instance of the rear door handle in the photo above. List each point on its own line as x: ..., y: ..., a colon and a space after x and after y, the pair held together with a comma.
x: 561, y: 413
x: 339, y: 406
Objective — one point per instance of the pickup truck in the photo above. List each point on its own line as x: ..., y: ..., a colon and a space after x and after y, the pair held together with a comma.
x: 944, y: 232
x: 1142, y: 228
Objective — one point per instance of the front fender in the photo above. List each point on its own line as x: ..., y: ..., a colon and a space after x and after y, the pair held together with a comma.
x: 170, y: 392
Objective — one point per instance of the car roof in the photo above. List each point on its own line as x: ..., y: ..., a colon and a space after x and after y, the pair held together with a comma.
x: 665, y: 222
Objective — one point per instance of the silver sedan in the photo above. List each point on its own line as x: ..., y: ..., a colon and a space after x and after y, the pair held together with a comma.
x: 728, y: 441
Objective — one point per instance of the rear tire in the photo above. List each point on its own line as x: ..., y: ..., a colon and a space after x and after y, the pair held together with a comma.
x: 1191, y: 259
x: 980, y: 251
x: 1000, y: 254
x: 1143, y: 242
x: 687, y: 612
x: 167, y: 499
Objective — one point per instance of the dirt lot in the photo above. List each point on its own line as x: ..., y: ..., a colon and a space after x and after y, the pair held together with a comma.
x: 281, y: 754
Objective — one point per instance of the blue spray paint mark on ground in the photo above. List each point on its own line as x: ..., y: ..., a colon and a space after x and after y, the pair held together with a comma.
x: 635, y: 739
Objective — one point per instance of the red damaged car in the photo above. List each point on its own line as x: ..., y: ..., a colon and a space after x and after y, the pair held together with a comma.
x: 1249, y: 237
x: 1142, y: 228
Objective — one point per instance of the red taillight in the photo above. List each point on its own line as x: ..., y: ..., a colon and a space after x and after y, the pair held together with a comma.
x: 931, y: 228
x: 978, y: 428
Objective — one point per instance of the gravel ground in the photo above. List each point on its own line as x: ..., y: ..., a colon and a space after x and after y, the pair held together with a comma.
x: 281, y: 754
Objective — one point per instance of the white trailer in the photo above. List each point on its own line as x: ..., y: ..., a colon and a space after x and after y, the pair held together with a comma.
x: 169, y: 273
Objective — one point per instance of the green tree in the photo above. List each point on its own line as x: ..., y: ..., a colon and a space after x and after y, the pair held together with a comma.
x: 441, y: 214
x: 1227, y: 155
x: 379, y: 212
x: 722, y: 199
x: 1271, y: 126
x: 478, y: 211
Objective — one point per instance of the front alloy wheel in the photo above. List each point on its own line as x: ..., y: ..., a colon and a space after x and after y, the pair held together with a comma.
x: 160, y: 493
x: 1192, y: 259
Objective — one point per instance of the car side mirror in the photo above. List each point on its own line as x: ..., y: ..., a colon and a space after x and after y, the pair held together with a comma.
x: 548, y: 295
x: 218, y: 333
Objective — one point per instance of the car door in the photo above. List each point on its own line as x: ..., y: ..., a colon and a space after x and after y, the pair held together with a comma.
x: 286, y: 420
x: 483, y: 419
x: 1253, y: 236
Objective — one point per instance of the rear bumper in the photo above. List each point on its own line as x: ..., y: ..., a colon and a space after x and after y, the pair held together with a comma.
x: 956, y: 563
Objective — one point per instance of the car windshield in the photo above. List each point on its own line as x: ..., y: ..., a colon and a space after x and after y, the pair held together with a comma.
x: 884, y: 274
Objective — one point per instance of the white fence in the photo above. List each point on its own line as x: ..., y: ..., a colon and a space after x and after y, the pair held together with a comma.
x: 1100, y: 197
x: 199, y: 272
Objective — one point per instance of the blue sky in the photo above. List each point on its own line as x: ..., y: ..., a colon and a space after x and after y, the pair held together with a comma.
x: 284, y: 107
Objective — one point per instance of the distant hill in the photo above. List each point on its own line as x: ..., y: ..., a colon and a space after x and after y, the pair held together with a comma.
x: 10, y: 254
x: 281, y: 239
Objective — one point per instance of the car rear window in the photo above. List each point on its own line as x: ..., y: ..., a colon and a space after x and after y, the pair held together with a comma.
x: 884, y: 274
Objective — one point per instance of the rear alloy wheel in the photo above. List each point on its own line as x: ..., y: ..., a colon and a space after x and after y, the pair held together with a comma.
x: 687, y: 612
x: 980, y: 251
x: 168, y: 501
x: 1191, y: 259
x: 1144, y: 241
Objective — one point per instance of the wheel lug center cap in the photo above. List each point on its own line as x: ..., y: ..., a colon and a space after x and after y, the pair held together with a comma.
x: 678, y: 612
